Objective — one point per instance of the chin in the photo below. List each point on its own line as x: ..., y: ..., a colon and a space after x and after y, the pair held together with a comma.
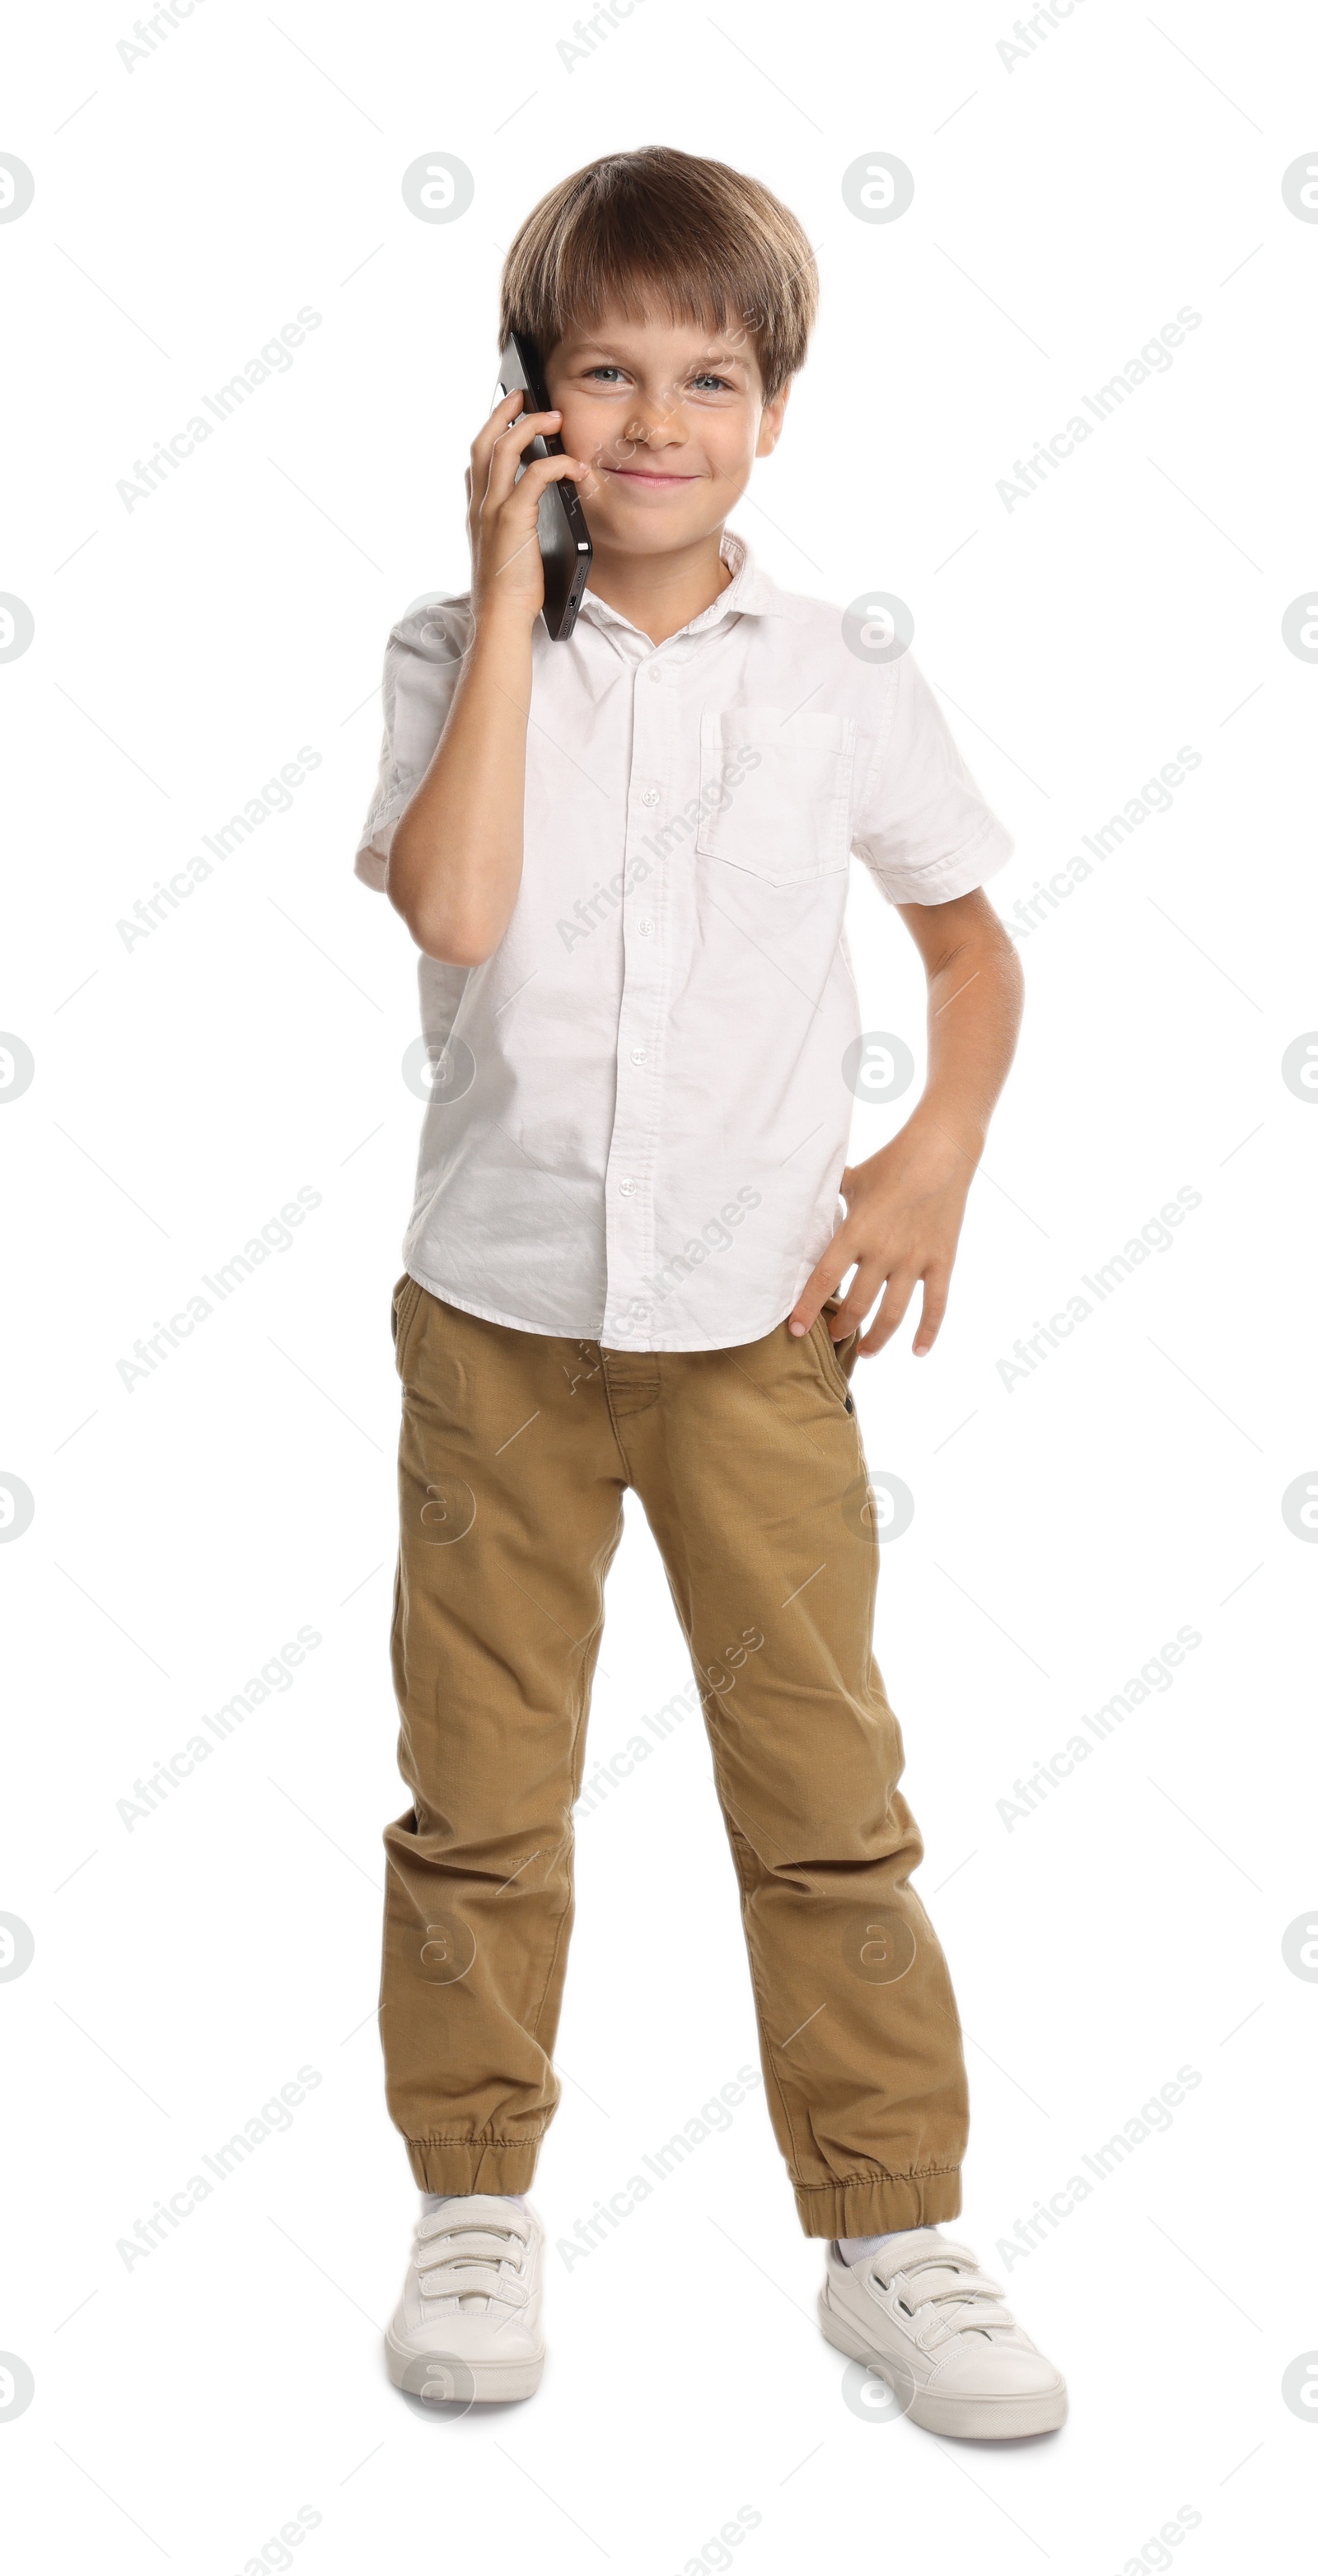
x: 688, y: 514
x: 643, y: 531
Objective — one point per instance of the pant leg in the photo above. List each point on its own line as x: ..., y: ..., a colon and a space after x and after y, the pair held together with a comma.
x: 510, y: 1509
x: 752, y: 1474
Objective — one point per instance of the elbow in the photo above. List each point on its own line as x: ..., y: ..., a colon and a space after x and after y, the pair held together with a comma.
x: 450, y: 942
x: 453, y: 932
x: 451, y: 948
x: 1004, y: 962
x: 1007, y: 957
x: 996, y: 949
x: 453, y: 937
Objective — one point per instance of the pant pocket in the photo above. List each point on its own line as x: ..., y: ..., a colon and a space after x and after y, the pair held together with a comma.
x: 407, y: 1296
x: 839, y: 1357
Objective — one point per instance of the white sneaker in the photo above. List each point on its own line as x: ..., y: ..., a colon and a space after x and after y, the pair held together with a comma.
x: 468, y: 2323
x: 924, y: 2318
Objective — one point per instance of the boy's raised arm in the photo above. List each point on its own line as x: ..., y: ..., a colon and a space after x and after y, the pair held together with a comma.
x: 456, y: 860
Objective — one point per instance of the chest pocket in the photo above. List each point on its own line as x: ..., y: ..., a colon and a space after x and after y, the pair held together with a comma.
x: 775, y: 792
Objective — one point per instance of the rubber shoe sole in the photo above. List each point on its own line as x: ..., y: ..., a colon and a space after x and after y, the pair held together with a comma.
x: 969, y: 2419
x: 447, y: 2376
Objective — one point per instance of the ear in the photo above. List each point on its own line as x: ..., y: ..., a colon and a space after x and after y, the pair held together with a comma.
x: 771, y: 421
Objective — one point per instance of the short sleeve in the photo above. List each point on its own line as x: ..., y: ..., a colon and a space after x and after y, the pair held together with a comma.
x: 920, y: 824
x: 421, y: 664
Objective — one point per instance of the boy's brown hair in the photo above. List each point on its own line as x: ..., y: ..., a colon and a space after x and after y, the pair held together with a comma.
x: 660, y: 228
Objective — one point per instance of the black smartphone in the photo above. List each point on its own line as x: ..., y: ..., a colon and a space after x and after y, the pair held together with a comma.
x: 565, y: 548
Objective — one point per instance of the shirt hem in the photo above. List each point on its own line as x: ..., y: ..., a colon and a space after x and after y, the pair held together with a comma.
x: 591, y: 1333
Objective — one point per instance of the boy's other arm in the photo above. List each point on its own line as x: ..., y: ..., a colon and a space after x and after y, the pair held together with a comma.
x: 906, y: 1203
x: 455, y: 863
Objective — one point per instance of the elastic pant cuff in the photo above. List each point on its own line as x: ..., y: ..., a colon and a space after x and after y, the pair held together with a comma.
x: 879, y: 2208
x: 465, y: 2165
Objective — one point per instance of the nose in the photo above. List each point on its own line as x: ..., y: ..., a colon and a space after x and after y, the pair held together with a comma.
x: 656, y: 425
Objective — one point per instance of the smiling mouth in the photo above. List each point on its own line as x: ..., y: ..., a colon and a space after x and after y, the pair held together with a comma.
x: 645, y: 474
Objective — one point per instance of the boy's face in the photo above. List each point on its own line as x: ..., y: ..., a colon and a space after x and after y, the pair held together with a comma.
x: 671, y: 416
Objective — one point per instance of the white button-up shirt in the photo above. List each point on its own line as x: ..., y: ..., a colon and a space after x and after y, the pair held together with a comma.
x: 638, y: 1110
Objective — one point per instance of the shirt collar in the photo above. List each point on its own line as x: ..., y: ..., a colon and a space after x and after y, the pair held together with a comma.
x: 750, y: 593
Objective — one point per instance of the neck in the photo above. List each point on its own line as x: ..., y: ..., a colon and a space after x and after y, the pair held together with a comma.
x: 661, y: 593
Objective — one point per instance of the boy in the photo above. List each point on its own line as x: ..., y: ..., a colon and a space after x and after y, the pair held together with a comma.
x: 624, y: 857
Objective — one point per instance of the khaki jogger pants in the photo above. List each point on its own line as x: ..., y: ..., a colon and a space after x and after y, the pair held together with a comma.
x: 515, y: 1453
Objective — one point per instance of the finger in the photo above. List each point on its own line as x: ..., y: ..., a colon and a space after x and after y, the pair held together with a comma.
x: 933, y: 1307
x: 506, y: 416
x: 523, y: 501
x: 824, y: 1281
x: 506, y: 455
x: 592, y: 484
x: 486, y: 438
x: 505, y: 411
x: 506, y: 451
x: 850, y: 1314
x: 528, y: 425
x: 896, y: 1298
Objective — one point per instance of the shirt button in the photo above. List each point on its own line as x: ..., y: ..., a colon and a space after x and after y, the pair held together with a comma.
x: 655, y: 671
x: 645, y: 928
x: 638, y: 1055
x: 628, y: 1189
x: 649, y: 795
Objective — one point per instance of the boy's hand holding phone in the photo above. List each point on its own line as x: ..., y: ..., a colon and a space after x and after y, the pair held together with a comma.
x: 456, y: 862
x: 507, y: 572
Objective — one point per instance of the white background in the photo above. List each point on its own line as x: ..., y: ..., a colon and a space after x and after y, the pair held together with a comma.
x: 1065, y: 208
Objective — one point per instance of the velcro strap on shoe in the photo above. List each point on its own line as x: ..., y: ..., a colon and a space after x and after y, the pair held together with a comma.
x: 915, y: 2247
x: 479, y: 2244
x: 955, y: 2317
x: 942, y: 2281
x: 481, y: 2210
x: 461, y: 2278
